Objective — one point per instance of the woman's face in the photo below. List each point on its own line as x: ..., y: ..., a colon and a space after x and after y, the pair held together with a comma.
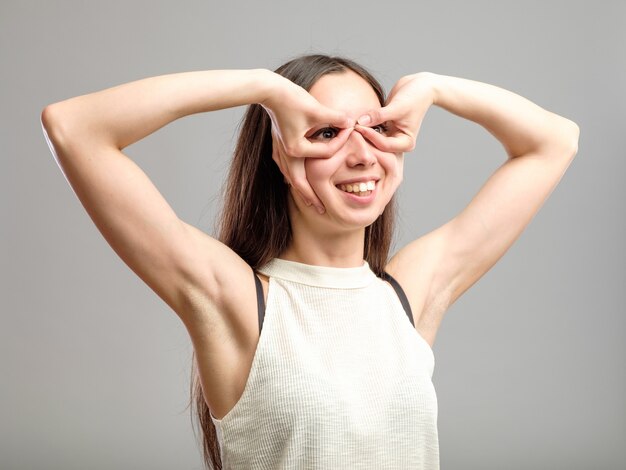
x: 357, y: 182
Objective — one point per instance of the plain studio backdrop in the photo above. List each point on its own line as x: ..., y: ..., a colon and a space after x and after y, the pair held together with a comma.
x: 530, y: 362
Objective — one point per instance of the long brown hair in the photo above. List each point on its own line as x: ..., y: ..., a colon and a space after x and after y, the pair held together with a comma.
x: 255, y: 223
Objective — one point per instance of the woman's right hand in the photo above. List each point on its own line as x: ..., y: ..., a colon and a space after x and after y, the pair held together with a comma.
x: 296, y: 116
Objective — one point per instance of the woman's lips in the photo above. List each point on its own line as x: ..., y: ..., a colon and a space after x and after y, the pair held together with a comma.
x: 361, y: 192
x: 362, y: 188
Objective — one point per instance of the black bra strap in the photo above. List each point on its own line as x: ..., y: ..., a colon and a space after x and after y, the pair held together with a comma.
x: 401, y: 295
x: 260, y: 301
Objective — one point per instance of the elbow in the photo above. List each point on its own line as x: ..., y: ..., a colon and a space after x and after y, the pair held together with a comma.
x: 52, y: 123
x: 46, y: 119
x: 62, y: 127
x: 563, y: 140
x: 569, y: 136
x: 574, y: 135
x: 52, y: 126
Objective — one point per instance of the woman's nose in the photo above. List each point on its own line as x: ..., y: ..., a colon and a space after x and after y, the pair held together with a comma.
x: 360, y: 151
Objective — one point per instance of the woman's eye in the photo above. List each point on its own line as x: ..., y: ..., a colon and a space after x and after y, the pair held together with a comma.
x: 326, y: 133
x: 380, y: 128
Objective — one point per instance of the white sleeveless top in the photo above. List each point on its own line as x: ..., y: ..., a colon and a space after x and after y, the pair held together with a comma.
x: 340, y: 378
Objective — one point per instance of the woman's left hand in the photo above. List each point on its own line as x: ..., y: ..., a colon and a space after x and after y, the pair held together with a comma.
x: 403, y: 114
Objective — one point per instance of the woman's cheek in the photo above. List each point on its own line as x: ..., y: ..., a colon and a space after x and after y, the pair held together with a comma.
x: 394, y: 165
x: 319, y: 169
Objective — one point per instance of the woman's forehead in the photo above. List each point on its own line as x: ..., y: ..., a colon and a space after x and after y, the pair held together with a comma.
x: 345, y: 91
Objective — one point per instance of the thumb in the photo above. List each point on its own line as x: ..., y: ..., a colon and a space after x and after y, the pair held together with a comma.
x: 375, y: 116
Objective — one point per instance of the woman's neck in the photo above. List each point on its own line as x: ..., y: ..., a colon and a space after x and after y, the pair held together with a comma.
x: 341, y: 249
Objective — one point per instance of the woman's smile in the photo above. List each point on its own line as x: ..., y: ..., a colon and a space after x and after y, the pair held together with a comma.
x: 350, y: 183
x: 358, y: 187
x: 362, y: 191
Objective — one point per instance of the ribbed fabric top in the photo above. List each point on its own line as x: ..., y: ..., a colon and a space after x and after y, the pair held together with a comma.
x: 340, y: 378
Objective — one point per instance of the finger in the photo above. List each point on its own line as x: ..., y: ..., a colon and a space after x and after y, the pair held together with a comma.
x: 278, y: 157
x: 337, y: 119
x: 290, y: 170
x: 310, y: 149
x: 374, y: 137
x: 392, y: 111
x: 393, y: 143
x: 282, y: 161
x: 376, y: 116
x: 302, y: 186
x: 319, y: 114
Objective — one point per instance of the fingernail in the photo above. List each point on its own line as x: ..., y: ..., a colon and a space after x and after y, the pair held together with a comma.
x: 364, y: 120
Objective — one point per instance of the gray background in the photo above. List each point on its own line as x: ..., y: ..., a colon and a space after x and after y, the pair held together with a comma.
x: 530, y: 362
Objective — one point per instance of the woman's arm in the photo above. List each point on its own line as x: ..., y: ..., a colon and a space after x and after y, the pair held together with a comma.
x: 540, y: 146
x: 86, y: 135
x: 124, y: 114
x: 521, y: 126
x: 186, y: 268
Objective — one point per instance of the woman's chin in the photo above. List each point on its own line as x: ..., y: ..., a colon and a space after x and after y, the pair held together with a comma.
x: 352, y: 221
x: 340, y: 217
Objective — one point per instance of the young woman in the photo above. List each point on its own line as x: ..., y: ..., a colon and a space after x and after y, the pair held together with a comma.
x: 312, y: 346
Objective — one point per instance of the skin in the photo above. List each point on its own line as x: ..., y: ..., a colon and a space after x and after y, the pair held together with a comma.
x: 336, y: 237
x: 195, y: 273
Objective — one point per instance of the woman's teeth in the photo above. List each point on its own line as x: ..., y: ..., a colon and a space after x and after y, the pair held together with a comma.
x: 359, y: 189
